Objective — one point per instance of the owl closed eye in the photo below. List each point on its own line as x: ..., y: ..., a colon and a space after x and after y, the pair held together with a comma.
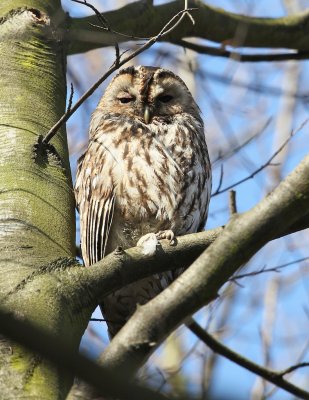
x: 158, y: 92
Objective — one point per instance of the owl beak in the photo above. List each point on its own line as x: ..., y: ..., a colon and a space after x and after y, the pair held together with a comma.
x: 147, y: 114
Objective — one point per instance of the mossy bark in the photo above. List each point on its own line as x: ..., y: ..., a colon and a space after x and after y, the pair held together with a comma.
x: 37, y: 223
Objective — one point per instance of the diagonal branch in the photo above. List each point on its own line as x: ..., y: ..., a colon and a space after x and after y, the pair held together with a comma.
x: 258, y: 170
x: 63, y: 356
x: 272, y: 376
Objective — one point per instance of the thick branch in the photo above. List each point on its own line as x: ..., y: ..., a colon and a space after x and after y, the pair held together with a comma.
x: 214, y: 24
x: 242, y: 237
x: 87, y: 287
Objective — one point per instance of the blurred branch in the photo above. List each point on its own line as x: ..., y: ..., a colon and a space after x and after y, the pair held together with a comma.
x: 293, y: 368
x: 264, y: 269
x: 266, y: 333
x: 263, y: 166
x: 143, y: 19
x: 230, y: 152
x: 238, y: 56
x: 61, y: 354
x: 270, y: 375
x: 221, y: 328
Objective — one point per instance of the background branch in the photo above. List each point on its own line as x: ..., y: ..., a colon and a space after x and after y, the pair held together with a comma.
x: 272, y: 376
x: 143, y: 19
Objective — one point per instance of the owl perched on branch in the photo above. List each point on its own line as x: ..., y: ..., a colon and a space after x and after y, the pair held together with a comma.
x: 146, y: 170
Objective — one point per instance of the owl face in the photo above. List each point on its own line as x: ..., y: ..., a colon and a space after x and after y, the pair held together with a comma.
x: 148, y: 94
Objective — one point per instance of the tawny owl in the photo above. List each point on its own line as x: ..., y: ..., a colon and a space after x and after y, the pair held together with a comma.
x: 146, y: 170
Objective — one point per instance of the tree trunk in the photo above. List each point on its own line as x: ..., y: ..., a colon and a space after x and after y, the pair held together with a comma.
x: 37, y: 223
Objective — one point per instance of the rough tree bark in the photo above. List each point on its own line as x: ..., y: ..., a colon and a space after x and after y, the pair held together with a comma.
x: 36, y: 202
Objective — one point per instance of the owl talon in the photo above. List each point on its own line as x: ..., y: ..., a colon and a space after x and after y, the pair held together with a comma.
x: 167, y: 234
x: 118, y: 251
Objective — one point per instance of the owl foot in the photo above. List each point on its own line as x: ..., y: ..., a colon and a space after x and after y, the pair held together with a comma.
x: 118, y: 251
x: 167, y: 234
x: 148, y: 243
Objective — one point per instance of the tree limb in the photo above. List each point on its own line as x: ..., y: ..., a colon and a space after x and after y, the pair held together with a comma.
x: 142, y: 19
x: 88, y: 286
x: 65, y: 357
x: 272, y: 376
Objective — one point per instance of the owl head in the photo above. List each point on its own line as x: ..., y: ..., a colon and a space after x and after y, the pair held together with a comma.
x: 148, y: 94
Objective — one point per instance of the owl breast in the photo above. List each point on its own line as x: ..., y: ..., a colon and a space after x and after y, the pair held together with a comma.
x: 160, y: 175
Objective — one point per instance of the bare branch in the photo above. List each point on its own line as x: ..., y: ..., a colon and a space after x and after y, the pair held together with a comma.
x: 293, y: 368
x: 263, y: 166
x: 272, y: 269
x: 272, y: 376
x: 238, y: 56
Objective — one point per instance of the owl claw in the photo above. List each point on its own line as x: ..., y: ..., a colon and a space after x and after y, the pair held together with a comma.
x: 167, y: 234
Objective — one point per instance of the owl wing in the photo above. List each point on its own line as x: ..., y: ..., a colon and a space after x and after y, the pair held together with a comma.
x: 95, y: 202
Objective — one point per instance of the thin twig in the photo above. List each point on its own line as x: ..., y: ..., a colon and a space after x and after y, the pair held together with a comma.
x: 272, y: 269
x: 165, y: 30
x: 263, y: 166
x: 220, y: 179
x: 186, y: 9
x: 272, y: 376
x: 104, y: 23
x: 293, y: 368
x: 231, y: 152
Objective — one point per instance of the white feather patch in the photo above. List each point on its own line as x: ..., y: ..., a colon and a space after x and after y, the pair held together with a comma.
x: 148, y: 243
